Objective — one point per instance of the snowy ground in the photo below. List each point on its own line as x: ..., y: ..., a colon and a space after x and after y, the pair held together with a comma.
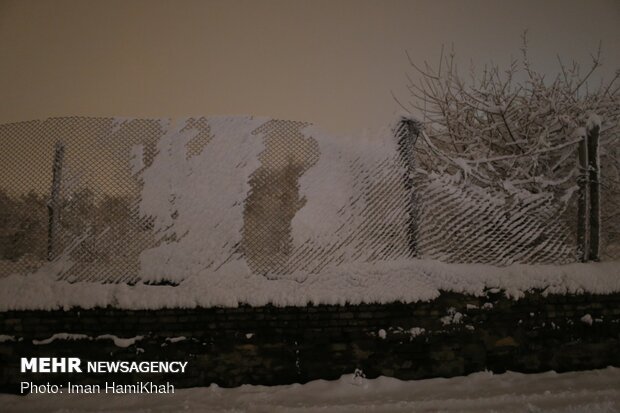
x: 593, y: 391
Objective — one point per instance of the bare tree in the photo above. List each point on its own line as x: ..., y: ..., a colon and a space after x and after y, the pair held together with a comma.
x: 516, y: 129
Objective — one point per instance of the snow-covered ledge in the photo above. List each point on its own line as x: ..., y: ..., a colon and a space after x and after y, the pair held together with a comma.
x: 406, y: 281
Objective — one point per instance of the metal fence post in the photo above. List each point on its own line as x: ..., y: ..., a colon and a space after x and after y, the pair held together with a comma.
x: 594, y: 174
x: 53, y: 205
x: 583, y: 206
x: 407, y: 132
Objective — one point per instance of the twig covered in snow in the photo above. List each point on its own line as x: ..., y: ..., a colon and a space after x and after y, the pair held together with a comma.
x: 513, y: 128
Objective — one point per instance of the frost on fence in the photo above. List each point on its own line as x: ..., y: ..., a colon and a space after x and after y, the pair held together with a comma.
x: 159, y: 201
x: 466, y: 223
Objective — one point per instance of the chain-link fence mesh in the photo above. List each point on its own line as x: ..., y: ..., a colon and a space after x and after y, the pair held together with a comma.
x: 91, y: 224
x: 472, y: 225
x: 98, y: 226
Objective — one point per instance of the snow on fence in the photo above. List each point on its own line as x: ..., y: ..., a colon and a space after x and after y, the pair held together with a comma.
x: 157, y: 200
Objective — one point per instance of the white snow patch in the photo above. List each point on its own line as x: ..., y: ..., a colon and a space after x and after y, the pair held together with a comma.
x: 197, y: 202
x: 61, y: 336
x: 453, y: 317
x: 119, y: 342
x: 175, y: 339
x: 416, y: 331
x: 377, y: 282
x: 4, y: 338
x: 594, y: 121
x: 579, y: 133
x: 587, y: 319
x: 382, y: 334
x: 335, y: 204
x: 594, y: 391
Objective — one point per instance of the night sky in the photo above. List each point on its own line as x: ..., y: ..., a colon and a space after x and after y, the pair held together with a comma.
x: 334, y: 63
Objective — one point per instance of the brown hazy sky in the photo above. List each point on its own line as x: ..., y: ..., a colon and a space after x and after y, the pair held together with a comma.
x: 331, y: 62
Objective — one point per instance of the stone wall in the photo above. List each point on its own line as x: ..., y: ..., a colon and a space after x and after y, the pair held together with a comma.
x: 452, y: 335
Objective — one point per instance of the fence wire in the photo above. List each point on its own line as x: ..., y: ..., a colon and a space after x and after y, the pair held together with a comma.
x: 91, y: 218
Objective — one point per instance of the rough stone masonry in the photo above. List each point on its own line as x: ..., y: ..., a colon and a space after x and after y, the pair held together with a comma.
x: 452, y: 335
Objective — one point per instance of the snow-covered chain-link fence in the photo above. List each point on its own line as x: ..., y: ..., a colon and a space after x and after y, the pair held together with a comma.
x: 123, y: 200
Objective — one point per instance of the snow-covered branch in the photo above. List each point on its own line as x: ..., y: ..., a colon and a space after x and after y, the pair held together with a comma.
x: 510, y: 124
